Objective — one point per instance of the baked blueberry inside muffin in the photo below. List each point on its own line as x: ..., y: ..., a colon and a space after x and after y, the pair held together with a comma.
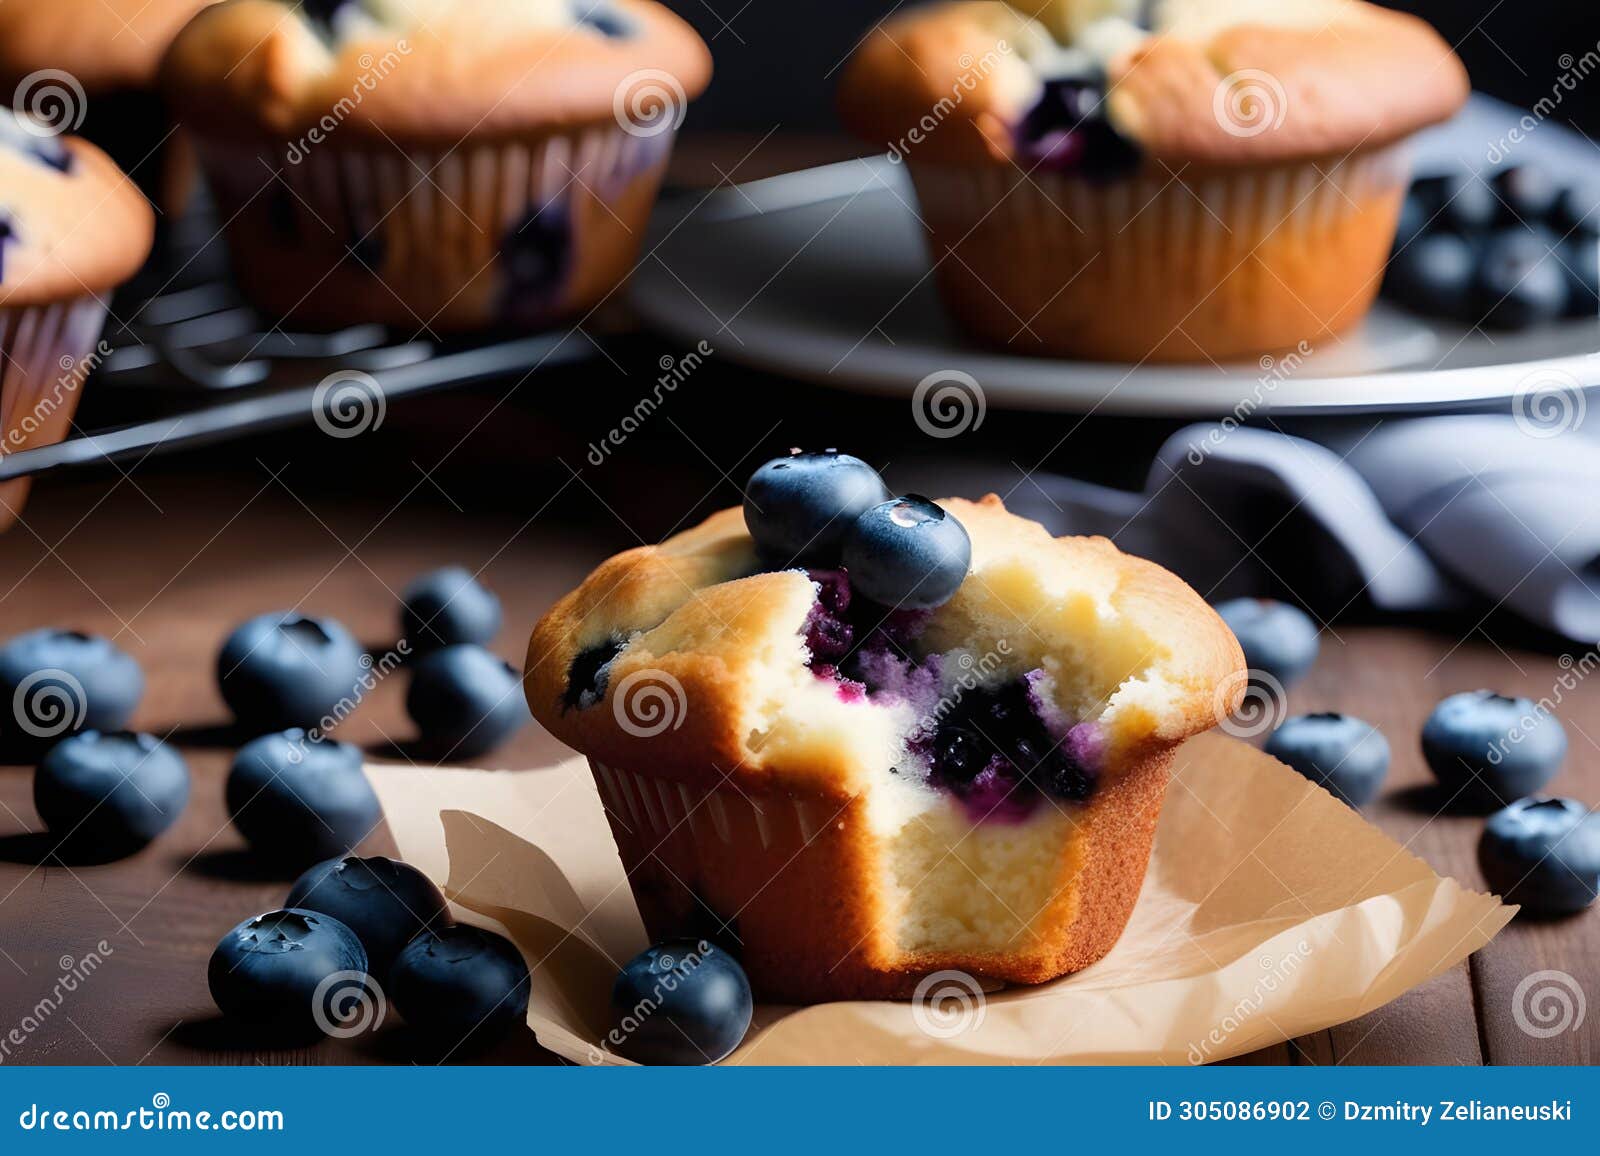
x: 873, y: 791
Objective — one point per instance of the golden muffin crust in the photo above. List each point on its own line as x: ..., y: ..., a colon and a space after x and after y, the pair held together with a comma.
x: 70, y: 233
x: 105, y: 45
x: 424, y: 70
x: 1129, y: 644
x: 1211, y: 82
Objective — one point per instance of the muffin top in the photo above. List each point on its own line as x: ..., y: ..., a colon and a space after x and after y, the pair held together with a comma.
x: 1063, y: 657
x: 70, y: 221
x: 1090, y: 84
x: 104, y: 45
x: 431, y: 70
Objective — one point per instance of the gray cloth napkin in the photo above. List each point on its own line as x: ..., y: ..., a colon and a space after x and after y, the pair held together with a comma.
x: 1466, y: 513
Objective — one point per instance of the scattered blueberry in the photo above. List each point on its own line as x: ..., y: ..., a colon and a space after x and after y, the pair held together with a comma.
x: 384, y: 902
x: 1434, y: 275
x: 1577, y: 212
x: 447, y: 606
x: 1278, y: 639
x: 681, y: 1002
x: 798, y: 508
x: 459, y: 981
x: 1520, y: 283
x: 268, y: 970
x: 1508, y: 250
x: 465, y: 701
x: 1458, y: 201
x: 282, y: 670
x: 1527, y: 193
x: 907, y: 553
x: 1346, y: 755
x: 1543, y: 854
x: 107, y: 795
x: 589, y: 673
x: 1487, y: 749
x: 58, y: 682
x: 298, y: 799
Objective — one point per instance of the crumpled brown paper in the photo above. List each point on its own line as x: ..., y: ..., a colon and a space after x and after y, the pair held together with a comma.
x: 1270, y: 910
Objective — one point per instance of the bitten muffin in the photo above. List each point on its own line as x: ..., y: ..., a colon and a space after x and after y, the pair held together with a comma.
x: 89, y: 66
x: 852, y: 796
x: 1175, y: 180
x: 72, y: 228
x: 439, y: 165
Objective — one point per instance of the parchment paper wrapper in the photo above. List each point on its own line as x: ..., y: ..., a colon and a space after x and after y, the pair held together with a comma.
x: 1270, y: 910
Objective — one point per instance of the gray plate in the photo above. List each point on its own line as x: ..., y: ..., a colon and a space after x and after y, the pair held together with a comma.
x: 823, y: 275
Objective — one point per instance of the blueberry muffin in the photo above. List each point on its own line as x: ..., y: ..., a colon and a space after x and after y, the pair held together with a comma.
x: 89, y: 67
x: 434, y: 164
x: 860, y: 739
x: 72, y: 228
x: 1176, y: 180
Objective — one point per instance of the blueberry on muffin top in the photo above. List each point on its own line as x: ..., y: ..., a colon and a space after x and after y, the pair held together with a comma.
x: 1094, y: 85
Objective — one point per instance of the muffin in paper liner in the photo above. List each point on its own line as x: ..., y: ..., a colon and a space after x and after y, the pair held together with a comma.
x: 446, y: 166
x: 72, y: 228
x: 1167, y: 180
x: 970, y: 787
x: 1164, y: 265
x: 46, y: 351
x: 519, y: 232
x: 751, y: 869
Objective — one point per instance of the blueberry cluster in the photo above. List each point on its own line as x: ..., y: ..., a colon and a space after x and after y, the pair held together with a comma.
x: 830, y: 509
x: 293, y: 793
x: 1488, y: 751
x: 1517, y: 250
x: 350, y: 925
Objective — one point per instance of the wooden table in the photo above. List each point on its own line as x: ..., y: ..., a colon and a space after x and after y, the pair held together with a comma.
x: 167, y: 559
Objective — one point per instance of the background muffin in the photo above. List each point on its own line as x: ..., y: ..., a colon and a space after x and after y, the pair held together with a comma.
x: 89, y: 67
x: 1177, y: 180
x: 72, y: 228
x: 437, y: 166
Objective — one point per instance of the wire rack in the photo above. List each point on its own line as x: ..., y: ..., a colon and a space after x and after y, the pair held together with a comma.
x: 199, y: 365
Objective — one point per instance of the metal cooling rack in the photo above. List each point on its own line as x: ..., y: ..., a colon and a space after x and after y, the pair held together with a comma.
x: 188, y: 349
